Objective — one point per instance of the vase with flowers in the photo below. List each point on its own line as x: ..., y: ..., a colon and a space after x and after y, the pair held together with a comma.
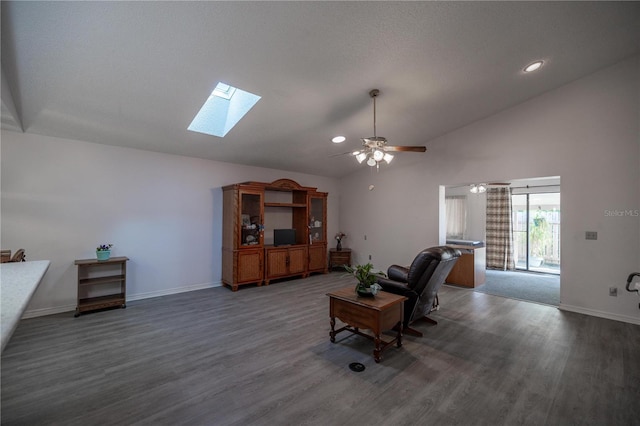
x: 339, y: 237
x: 103, y: 251
x: 367, y: 285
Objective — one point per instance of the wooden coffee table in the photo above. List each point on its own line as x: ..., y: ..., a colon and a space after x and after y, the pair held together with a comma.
x: 380, y: 313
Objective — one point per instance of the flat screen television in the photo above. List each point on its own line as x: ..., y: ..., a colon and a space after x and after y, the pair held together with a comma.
x: 284, y: 237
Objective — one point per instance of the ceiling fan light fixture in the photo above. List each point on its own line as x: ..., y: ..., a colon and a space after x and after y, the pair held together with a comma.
x: 374, y: 148
x: 478, y: 189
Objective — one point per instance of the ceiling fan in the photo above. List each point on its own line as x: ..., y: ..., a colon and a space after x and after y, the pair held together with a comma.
x: 375, y: 149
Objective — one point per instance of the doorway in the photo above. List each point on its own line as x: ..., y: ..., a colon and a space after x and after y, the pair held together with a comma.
x: 536, y: 231
x: 535, y: 208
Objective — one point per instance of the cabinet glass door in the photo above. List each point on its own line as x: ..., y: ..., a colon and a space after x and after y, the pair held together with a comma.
x: 251, y: 224
x: 317, y: 231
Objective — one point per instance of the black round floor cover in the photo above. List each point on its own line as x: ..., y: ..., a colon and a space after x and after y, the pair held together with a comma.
x: 357, y: 367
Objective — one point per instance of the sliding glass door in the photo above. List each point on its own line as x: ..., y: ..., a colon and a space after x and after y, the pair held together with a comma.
x: 536, y: 231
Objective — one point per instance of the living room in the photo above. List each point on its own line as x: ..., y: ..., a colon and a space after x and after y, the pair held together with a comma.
x: 61, y: 196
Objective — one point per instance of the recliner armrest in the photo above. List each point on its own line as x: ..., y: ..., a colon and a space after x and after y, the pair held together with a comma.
x: 398, y: 273
x: 401, y: 289
x: 394, y: 287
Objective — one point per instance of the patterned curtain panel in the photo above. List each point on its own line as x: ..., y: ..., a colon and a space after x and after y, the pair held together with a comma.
x: 499, y: 239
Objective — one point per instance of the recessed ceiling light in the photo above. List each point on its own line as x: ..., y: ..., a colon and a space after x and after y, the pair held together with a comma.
x: 533, y: 66
x: 338, y: 139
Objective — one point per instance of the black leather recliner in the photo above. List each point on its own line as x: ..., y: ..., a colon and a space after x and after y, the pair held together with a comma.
x: 420, y: 283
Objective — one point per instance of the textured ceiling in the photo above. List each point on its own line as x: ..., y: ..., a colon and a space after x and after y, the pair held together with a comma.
x: 136, y: 73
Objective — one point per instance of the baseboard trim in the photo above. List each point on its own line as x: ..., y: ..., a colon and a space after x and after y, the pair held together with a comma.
x: 170, y: 291
x: 600, y: 314
x: 33, y: 313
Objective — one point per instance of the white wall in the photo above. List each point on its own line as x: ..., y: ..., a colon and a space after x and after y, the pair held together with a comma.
x: 587, y: 132
x: 61, y: 198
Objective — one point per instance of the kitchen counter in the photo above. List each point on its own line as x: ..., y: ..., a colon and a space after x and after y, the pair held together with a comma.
x: 469, y: 270
x: 18, y: 283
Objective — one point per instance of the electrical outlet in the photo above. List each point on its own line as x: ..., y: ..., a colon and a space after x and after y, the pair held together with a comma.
x: 369, y: 257
x: 613, y: 291
x: 590, y: 235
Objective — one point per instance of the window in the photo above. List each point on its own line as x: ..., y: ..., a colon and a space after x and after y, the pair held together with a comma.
x: 456, y: 210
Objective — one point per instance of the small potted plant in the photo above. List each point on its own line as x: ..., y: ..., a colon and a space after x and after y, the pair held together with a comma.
x: 103, y: 251
x: 367, y: 285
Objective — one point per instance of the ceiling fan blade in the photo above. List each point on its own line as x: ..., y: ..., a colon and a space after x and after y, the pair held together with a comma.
x: 344, y: 153
x: 339, y: 154
x: 405, y: 148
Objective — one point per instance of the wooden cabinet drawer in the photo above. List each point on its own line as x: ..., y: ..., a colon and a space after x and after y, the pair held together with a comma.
x: 339, y: 258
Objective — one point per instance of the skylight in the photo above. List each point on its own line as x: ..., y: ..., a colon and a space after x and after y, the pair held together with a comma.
x: 223, y: 109
x: 224, y: 90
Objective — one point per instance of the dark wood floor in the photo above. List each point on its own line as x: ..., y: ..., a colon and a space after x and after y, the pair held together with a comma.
x: 262, y: 356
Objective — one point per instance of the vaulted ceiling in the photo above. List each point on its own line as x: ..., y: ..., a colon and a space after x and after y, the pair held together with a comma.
x: 135, y: 73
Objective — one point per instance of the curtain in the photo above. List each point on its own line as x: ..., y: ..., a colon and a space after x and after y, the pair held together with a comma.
x: 456, y: 206
x: 499, y: 238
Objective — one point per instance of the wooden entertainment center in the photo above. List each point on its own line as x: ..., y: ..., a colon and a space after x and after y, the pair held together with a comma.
x: 251, y: 212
